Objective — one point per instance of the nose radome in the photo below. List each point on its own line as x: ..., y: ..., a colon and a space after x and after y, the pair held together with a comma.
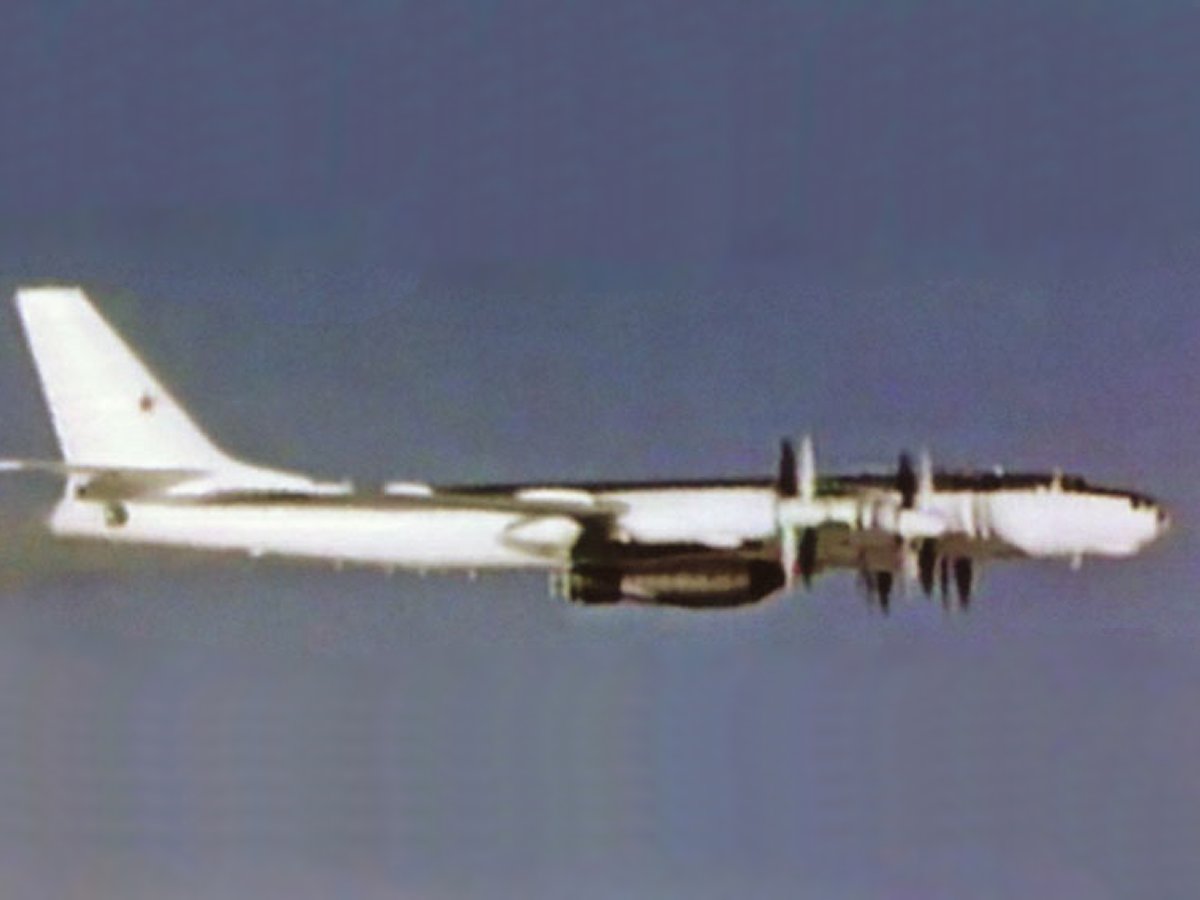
x: 1164, y: 520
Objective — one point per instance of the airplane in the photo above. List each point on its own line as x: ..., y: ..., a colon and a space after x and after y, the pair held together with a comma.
x: 139, y: 470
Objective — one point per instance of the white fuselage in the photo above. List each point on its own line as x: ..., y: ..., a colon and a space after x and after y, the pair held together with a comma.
x: 1037, y: 522
x: 139, y: 470
x: 424, y: 539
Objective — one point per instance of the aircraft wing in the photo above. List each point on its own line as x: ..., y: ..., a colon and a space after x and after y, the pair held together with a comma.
x: 431, y: 500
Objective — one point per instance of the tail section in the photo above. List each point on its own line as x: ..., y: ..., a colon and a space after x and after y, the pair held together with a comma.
x: 108, y: 409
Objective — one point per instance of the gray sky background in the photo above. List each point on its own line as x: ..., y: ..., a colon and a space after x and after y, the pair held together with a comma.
x: 624, y: 239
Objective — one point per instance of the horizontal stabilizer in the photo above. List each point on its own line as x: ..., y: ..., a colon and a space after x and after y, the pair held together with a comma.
x: 104, y: 482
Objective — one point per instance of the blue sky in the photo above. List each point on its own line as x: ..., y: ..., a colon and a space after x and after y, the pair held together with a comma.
x: 524, y: 240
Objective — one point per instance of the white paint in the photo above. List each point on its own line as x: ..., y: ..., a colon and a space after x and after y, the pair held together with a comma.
x: 167, y: 483
x: 432, y: 539
x: 107, y: 408
x: 567, y: 496
x: 1061, y: 523
x: 407, y: 489
x: 708, y: 515
x: 109, y: 411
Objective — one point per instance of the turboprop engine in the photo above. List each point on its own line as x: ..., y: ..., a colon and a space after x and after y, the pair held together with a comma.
x: 798, y: 513
x: 920, y: 527
x: 697, y: 585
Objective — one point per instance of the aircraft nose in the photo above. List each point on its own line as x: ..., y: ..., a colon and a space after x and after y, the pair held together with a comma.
x: 1164, y: 520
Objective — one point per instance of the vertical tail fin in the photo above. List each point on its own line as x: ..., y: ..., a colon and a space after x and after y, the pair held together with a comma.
x: 108, y: 409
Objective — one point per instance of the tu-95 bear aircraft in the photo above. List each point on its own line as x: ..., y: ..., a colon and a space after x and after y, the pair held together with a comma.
x: 138, y: 470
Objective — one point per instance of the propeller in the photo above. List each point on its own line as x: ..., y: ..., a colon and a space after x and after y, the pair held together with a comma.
x: 918, y: 522
x: 906, y: 482
x: 962, y: 570
x: 927, y: 558
x: 807, y: 470
x: 796, y: 516
x: 883, y: 581
x: 915, y: 525
x: 879, y: 588
x: 787, y: 480
x: 808, y: 556
x: 964, y: 577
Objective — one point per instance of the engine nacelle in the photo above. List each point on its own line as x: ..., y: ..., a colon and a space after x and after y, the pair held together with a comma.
x: 594, y: 586
x: 695, y: 585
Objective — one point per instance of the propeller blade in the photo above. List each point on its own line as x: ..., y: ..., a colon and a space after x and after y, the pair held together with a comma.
x: 807, y: 470
x: 927, y: 558
x: 786, y: 482
x: 924, y: 479
x: 964, y: 573
x: 866, y: 580
x: 906, y: 482
x: 808, y: 555
x: 910, y: 564
x: 788, y: 555
x: 883, y: 584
